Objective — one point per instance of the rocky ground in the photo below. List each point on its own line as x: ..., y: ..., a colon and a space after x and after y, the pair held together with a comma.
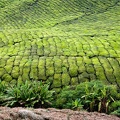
x: 51, y: 114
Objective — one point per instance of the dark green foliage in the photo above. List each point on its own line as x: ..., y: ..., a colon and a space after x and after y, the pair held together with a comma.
x: 93, y: 96
x: 2, y: 87
x: 115, y: 108
x: 28, y: 93
x: 116, y: 112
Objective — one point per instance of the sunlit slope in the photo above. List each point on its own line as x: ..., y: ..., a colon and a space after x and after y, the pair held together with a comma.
x: 47, y: 13
x: 62, y: 41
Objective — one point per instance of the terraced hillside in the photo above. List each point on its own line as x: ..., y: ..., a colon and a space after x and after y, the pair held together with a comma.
x: 64, y: 42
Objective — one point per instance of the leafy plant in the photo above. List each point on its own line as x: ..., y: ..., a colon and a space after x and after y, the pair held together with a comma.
x: 64, y: 98
x: 2, y: 87
x: 29, y: 94
x: 115, y: 108
x: 116, y: 112
x: 77, y: 104
x: 92, y: 96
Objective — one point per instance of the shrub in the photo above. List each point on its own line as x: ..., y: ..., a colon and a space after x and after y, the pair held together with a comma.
x: 116, y: 112
x: 27, y: 94
x: 115, y: 108
x: 92, y: 96
x: 2, y: 87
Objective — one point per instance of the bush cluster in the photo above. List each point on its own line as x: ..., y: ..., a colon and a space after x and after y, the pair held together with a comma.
x: 25, y: 94
x: 90, y: 96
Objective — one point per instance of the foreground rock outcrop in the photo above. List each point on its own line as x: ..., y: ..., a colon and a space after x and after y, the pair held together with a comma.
x: 51, y: 114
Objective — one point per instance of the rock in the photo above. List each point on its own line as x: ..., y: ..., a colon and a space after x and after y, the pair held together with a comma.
x: 19, y: 113
x: 29, y: 114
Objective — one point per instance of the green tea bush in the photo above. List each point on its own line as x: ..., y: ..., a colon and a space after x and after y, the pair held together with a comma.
x: 27, y: 94
x: 92, y: 96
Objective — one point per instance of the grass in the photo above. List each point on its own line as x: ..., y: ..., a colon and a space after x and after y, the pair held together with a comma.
x: 64, y: 42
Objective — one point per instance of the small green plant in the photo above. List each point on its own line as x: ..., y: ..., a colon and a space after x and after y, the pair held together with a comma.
x: 2, y: 87
x: 77, y: 104
x: 28, y: 94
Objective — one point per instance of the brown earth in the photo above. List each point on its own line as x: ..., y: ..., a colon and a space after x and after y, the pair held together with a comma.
x: 51, y: 114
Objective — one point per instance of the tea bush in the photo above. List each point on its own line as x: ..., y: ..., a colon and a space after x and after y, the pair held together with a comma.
x: 60, y: 41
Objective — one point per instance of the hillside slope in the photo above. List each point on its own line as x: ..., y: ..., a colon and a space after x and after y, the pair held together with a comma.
x: 64, y: 42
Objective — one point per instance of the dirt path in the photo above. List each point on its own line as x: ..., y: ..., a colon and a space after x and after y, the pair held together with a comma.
x: 51, y: 114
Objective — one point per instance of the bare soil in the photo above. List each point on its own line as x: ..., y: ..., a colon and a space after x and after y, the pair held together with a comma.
x: 19, y: 113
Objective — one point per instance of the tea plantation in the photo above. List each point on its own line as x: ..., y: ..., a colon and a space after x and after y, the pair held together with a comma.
x: 64, y: 42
